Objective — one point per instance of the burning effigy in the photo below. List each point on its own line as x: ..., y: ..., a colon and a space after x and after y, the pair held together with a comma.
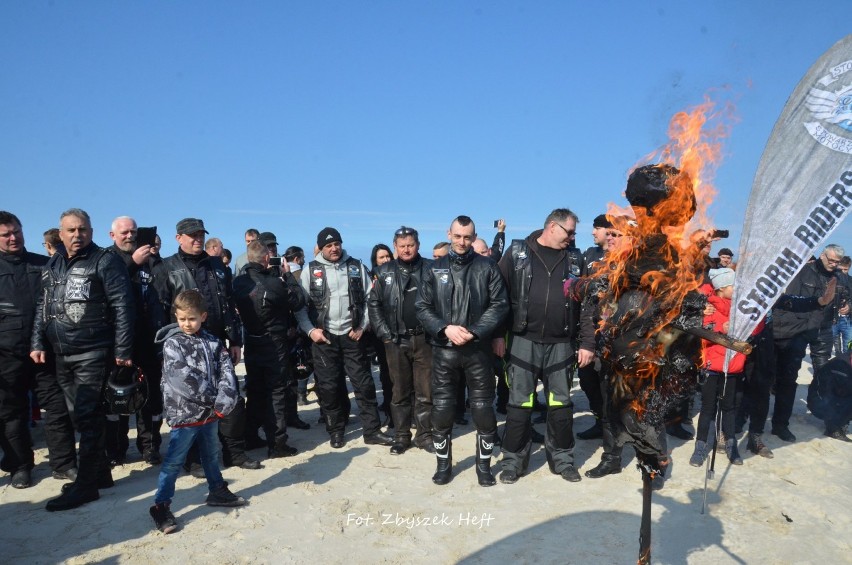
x: 644, y: 304
x: 648, y: 298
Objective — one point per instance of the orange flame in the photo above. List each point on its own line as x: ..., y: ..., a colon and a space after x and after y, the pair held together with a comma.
x: 695, y: 148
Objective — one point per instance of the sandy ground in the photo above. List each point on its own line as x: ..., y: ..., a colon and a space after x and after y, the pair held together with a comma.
x: 360, y: 504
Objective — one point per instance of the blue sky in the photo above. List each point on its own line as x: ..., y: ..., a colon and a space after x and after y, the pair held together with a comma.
x: 290, y: 116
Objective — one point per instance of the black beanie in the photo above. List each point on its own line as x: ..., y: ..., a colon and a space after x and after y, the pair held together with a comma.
x: 328, y: 235
x: 601, y: 222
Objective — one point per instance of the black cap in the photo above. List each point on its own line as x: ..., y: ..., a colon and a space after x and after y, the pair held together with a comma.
x: 328, y: 235
x: 726, y: 251
x: 601, y: 222
x: 268, y: 238
x: 190, y: 225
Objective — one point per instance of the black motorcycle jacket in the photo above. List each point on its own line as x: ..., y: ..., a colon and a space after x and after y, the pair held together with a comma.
x: 464, y: 290
x: 266, y: 304
x: 798, y: 310
x: 150, y: 316
x: 210, y: 277
x: 517, y: 270
x: 20, y: 284
x: 86, y: 303
x: 386, y: 297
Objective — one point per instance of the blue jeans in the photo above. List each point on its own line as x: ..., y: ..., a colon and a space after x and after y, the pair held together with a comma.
x: 844, y: 328
x: 180, y: 440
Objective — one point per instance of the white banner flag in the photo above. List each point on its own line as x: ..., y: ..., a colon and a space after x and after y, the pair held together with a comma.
x: 802, y: 189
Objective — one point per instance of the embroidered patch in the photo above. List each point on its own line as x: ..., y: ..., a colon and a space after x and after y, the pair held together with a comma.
x: 75, y: 311
x: 77, y: 289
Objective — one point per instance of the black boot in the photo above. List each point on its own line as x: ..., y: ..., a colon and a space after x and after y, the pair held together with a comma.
x: 444, y: 453
x: 484, y: 450
x: 609, y: 465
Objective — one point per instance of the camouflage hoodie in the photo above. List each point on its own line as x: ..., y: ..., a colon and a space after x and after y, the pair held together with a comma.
x: 198, y: 378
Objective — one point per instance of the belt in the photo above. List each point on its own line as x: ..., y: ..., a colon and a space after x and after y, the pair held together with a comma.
x: 412, y: 333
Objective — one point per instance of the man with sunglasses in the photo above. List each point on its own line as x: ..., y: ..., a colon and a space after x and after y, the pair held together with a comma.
x: 800, y: 321
x: 543, y: 324
x: 394, y: 320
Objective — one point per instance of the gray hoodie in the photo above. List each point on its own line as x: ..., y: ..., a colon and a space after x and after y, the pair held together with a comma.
x: 339, y: 317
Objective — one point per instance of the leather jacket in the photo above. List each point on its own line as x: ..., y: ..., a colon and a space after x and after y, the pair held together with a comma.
x: 516, y: 266
x: 172, y: 276
x: 478, y: 303
x: 266, y: 304
x: 150, y: 316
x: 386, y: 298
x: 86, y: 303
x: 20, y: 284
x: 797, y: 310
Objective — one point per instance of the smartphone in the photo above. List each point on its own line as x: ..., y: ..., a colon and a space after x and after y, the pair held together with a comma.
x: 275, y: 261
x: 496, y: 222
x: 146, y: 236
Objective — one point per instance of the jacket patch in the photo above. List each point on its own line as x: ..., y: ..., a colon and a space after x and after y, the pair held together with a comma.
x: 75, y: 311
x: 354, y: 271
x: 77, y: 289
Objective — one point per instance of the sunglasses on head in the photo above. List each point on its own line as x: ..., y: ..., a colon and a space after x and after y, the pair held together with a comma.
x: 405, y: 231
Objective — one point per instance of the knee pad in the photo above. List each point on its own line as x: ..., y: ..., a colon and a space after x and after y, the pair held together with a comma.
x: 483, y: 416
x: 560, y: 429
x: 517, y: 432
x: 443, y: 415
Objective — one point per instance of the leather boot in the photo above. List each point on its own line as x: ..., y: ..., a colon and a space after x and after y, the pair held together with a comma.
x: 484, y: 450
x: 444, y: 455
x: 609, y: 465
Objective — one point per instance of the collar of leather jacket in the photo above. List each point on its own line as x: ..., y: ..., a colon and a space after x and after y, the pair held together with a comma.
x: 457, y: 259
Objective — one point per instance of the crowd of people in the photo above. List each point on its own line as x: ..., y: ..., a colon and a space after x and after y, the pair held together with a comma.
x: 473, y: 328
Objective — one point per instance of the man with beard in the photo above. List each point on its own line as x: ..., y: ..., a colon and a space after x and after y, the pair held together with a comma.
x: 543, y: 324
x: 86, y: 312
x: 192, y: 268
x: 394, y: 320
x: 149, y: 318
x: 20, y: 285
x: 461, y: 305
x: 800, y: 321
x: 266, y: 302
x: 335, y: 319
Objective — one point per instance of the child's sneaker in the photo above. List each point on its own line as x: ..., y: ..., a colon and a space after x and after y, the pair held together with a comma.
x: 163, y: 518
x: 224, y: 497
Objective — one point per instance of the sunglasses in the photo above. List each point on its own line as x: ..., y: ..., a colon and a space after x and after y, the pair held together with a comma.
x: 613, y: 234
x: 405, y: 231
x: 569, y: 233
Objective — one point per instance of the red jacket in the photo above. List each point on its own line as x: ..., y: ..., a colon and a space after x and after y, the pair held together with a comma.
x: 714, y: 355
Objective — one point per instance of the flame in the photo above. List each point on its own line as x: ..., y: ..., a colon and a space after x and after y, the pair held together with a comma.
x: 667, y: 233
